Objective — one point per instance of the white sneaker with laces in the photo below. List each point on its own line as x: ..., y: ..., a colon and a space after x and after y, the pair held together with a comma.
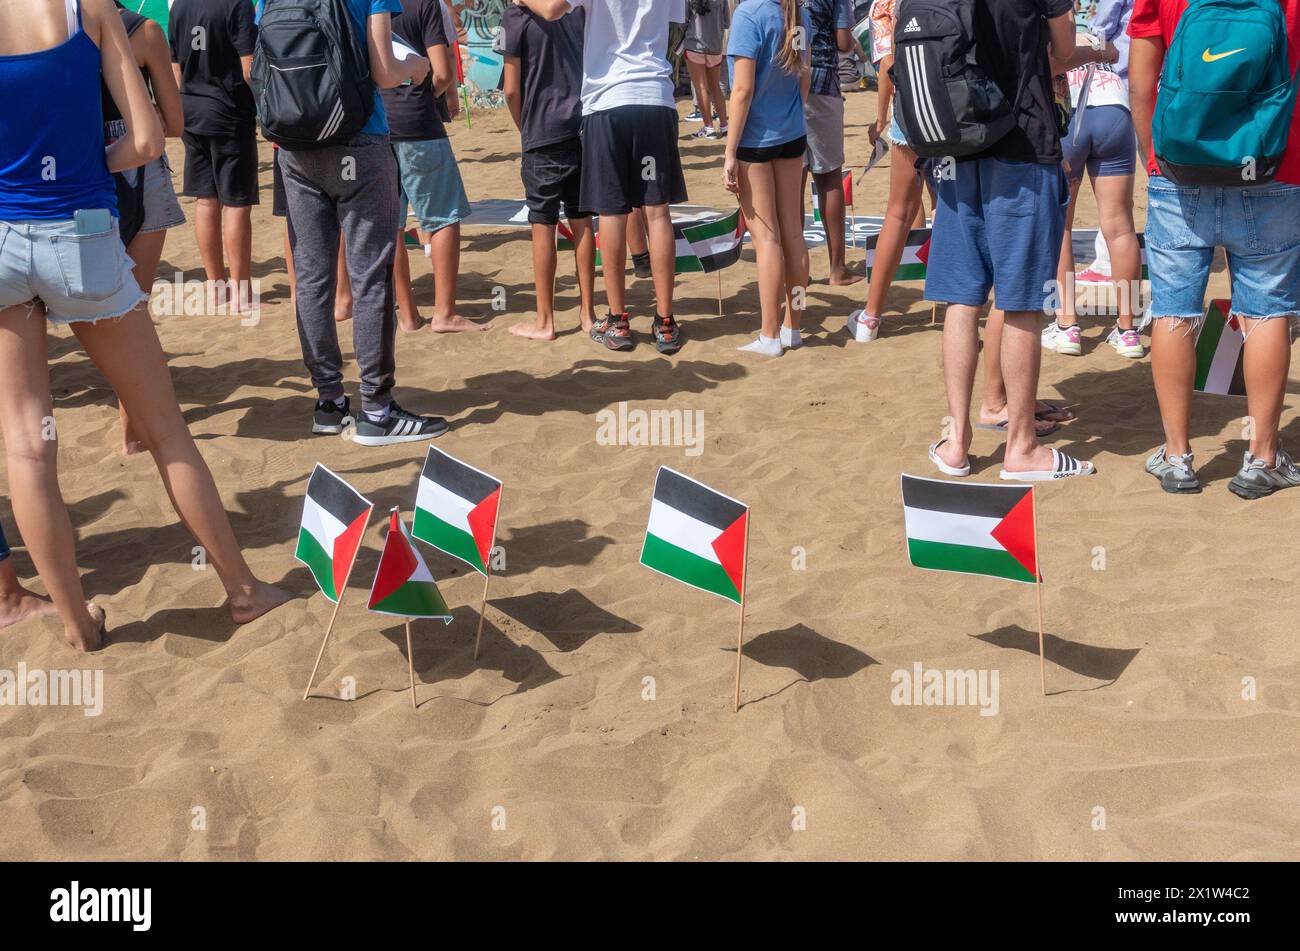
x: 861, y: 328
x: 1063, y: 340
x: 1127, y: 343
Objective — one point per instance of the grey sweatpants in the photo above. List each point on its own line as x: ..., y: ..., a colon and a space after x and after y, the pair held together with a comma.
x: 352, y: 188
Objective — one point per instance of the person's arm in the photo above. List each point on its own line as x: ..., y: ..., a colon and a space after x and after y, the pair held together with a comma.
x: 884, y: 97
x: 154, y: 55
x: 1146, y: 57
x: 744, y: 71
x: 844, y: 27
x: 440, y: 68
x: 547, y: 9
x: 512, y: 84
x: 386, y: 69
x: 243, y: 31
x: 1066, y: 53
x: 143, y: 141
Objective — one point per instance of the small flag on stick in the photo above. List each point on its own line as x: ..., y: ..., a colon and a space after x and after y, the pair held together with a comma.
x: 1220, y: 347
x: 916, y: 255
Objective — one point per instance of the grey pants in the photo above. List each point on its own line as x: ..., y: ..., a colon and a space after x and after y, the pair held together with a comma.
x: 352, y: 188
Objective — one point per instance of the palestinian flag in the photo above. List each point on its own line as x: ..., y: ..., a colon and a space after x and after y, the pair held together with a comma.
x: 916, y: 255
x: 334, y: 517
x: 848, y: 195
x: 717, y: 244
x: 456, y: 509
x: 1219, y: 347
x: 971, y: 528
x: 696, y: 535
x: 688, y: 261
x: 403, y: 584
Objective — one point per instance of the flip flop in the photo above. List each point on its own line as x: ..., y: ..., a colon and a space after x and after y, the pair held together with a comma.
x: 943, y: 466
x: 1002, y: 427
x: 1053, y: 409
x: 1063, y: 467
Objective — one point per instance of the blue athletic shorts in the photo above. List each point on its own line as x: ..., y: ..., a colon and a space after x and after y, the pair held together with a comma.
x: 1259, y: 227
x: 1101, y: 140
x: 998, y: 227
x: 431, y: 183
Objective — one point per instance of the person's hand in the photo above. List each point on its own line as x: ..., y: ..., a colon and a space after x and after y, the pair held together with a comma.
x: 419, y: 69
x: 730, y: 179
x: 873, y: 132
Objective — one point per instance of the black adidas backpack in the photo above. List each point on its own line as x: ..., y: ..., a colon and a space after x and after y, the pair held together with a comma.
x: 311, y: 74
x: 945, y: 102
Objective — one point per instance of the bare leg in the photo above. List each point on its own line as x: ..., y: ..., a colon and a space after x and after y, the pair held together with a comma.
x: 714, y: 84
x: 1266, y: 365
x: 699, y: 83
x: 830, y: 191
x: 636, y: 233
x: 787, y: 176
x: 127, y: 352
x: 960, y: 354
x: 1022, y: 355
x: 993, y: 408
x: 1173, y: 369
x: 616, y: 233
x: 544, y: 262
x: 31, y: 451
x: 584, y: 239
x: 343, y: 285
x: 408, y: 314
x: 759, y: 202
x: 446, y: 273
x: 237, y: 233
x: 1115, y: 206
x: 663, y: 255
x: 145, y: 252
x: 207, y: 229
x: 900, y: 214
x: 1066, y: 315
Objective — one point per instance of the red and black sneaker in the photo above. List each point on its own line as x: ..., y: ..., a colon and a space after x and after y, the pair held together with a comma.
x: 614, y: 332
x: 668, y: 335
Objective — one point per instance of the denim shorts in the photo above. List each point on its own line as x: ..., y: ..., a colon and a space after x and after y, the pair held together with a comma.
x: 895, y: 133
x: 77, y: 277
x: 1258, y: 226
x: 431, y: 183
x: 998, y: 226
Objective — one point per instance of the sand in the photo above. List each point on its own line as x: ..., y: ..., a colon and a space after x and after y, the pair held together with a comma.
x: 598, y: 721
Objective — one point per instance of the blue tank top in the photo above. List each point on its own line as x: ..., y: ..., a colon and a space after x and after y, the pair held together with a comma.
x: 52, y: 133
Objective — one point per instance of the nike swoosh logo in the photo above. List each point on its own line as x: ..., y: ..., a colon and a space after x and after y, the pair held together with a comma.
x: 1209, y: 57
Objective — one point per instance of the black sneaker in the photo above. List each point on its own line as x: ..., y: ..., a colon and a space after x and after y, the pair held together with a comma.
x: 641, y: 266
x: 330, y: 418
x: 400, y: 426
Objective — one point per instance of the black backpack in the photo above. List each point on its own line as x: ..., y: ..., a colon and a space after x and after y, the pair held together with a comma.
x: 945, y: 102
x: 311, y: 74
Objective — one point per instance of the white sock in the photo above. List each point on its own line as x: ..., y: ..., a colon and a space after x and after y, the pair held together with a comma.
x: 767, y: 346
x: 790, y: 338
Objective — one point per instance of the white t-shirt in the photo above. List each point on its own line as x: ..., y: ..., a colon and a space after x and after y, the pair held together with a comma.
x: 1107, y: 88
x: 625, y: 53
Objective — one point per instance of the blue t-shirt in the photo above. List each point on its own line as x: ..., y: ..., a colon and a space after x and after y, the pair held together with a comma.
x: 360, y: 11
x: 757, y: 32
x: 826, y: 17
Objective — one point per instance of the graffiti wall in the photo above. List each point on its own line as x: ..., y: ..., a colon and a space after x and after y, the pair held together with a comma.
x: 481, y: 20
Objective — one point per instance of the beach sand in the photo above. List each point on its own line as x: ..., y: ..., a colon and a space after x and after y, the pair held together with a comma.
x: 598, y: 721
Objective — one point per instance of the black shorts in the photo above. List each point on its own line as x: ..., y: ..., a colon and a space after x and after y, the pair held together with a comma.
x: 552, y: 177
x: 279, y: 203
x: 223, y: 167
x: 795, y: 148
x: 630, y: 160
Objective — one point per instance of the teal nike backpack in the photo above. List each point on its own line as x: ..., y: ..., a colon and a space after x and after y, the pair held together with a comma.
x: 1227, y: 95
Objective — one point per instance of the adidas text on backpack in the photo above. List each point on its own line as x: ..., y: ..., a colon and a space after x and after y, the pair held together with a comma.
x: 311, y: 74
x: 945, y: 102
x: 1227, y: 94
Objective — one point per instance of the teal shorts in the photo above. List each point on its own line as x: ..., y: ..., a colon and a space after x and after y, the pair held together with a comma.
x: 431, y: 183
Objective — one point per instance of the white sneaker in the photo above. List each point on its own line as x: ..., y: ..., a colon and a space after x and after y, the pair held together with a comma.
x: 767, y: 346
x: 1064, y: 340
x: 1127, y: 343
x: 790, y: 338
x: 861, y: 328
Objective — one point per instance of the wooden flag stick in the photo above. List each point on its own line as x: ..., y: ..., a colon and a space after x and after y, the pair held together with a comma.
x: 487, y: 578
x: 410, y: 662
x: 740, y: 633
x: 321, y: 653
x: 719, y: 293
x: 1038, y: 591
x: 934, y: 313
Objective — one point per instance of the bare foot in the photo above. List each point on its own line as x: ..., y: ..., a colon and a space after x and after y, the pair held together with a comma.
x: 410, y: 325
x: 1056, y: 414
x: 250, y: 604
x: 20, y: 605
x: 92, y: 637
x: 342, y: 314
x: 588, y: 321
x: 131, y: 446
x: 1038, y: 460
x: 843, y: 278
x: 530, y: 332
x: 453, y: 324
x: 1042, y: 427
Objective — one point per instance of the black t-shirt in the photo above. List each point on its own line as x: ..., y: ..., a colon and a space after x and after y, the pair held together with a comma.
x: 550, y: 63
x: 207, y: 39
x: 1012, y: 41
x: 412, y: 110
x: 112, y: 115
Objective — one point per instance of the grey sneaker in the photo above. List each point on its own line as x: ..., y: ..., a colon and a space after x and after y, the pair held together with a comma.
x: 1256, y: 479
x: 1175, y: 473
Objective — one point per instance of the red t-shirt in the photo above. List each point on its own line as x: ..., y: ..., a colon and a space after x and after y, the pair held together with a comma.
x: 1157, y: 18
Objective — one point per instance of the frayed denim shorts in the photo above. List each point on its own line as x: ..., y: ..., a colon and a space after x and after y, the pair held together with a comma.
x: 77, y: 277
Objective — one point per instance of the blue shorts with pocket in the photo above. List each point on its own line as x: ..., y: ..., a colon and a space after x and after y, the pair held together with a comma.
x: 1257, y: 225
x: 431, y: 184
x: 76, y: 276
x: 998, y: 226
